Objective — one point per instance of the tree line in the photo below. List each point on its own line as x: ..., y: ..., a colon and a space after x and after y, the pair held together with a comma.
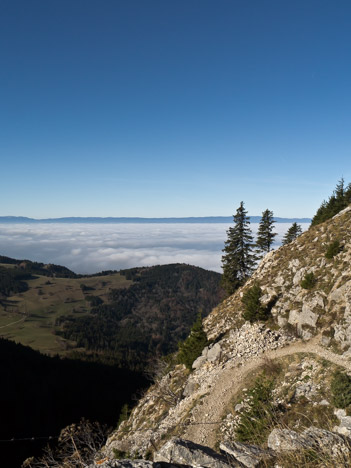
x: 339, y: 199
x: 241, y: 253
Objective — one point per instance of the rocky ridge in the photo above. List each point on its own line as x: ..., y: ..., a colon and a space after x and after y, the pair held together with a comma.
x: 182, y: 404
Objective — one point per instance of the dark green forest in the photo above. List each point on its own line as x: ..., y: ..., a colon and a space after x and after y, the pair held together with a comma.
x: 40, y: 395
x: 36, y: 268
x: 148, y: 318
x: 12, y: 281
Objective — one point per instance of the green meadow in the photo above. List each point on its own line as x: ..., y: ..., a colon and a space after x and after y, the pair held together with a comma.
x: 30, y: 317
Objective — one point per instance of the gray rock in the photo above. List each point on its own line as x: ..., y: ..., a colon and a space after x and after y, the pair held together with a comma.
x: 190, y: 388
x: 282, y: 440
x: 335, y: 445
x: 305, y: 389
x: 185, y: 452
x: 346, y: 422
x: 306, y: 335
x: 340, y: 413
x: 126, y: 464
x: 249, y: 455
x: 344, y: 427
x: 214, y: 353
x: 200, y: 361
x: 305, y: 317
x: 282, y: 321
x: 324, y: 403
x: 325, y: 340
x: 328, y: 442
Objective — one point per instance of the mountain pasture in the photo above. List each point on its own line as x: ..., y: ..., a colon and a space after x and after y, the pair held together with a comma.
x: 30, y: 317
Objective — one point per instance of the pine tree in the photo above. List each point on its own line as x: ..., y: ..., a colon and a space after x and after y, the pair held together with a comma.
x: 265, y: 234
x: 293, y: 233
x: 238, y: 260
x: 191, y: 348
x: 252, y: 301
x: 340, y: 199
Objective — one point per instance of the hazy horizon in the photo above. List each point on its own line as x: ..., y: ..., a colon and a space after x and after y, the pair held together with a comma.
x: 132, y: 219
x: 91, y: 248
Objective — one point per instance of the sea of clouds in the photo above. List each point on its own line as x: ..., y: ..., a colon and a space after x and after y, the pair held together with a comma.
x: 90, y: 248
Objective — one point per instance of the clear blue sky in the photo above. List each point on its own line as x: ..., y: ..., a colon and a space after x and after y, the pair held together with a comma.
x: 173, y: 107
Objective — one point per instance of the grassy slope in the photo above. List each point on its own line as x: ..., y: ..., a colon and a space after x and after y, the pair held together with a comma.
x: 33, y: 313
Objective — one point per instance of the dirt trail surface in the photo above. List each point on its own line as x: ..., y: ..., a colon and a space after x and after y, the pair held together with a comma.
x: 13, y: 323
x: 206, y: 417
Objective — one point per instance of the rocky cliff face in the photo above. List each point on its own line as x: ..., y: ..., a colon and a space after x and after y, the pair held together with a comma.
x: 291, y: 358
x: 327, y: 306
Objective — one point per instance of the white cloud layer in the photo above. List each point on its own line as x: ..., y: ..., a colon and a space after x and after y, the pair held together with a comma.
x: 90, y: 248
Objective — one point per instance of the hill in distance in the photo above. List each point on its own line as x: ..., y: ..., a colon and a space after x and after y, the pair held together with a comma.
x: 121, y: 317
x: 112, y: 220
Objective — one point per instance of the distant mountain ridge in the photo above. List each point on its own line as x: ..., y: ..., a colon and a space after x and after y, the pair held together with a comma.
x: 137, y: 220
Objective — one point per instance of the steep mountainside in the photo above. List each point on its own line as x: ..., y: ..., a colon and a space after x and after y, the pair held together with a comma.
x: 286, y: 374
x: 323, y: 308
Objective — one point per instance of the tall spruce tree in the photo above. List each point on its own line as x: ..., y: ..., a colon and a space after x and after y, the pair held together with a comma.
x: 265, y: 234
x: 292, y: 233
x: 239, y: 259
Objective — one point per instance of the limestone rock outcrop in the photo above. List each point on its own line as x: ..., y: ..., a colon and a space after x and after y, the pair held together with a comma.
x: 298, y: 315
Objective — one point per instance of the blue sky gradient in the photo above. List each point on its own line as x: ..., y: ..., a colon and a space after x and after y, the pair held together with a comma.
x: 173, y: 108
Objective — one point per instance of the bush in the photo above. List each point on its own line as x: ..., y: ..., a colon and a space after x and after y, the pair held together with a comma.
x: 259, y: 417
x: 124, y: 414
x: 333, y: 249
x: 94, y: 301
x: 254, y: 310
x: 341, y: 389
x: 308, y: 281
x: 192, y: 347
x: 85, y: 288
x: 77, y: 446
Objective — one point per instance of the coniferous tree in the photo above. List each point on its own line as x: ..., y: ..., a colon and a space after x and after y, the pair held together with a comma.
x: 293, y: 233
x: 252, y: 302
x: 238, y: 260
x: 340, y: 199
x: 265, y: 234
x: 191, y: 348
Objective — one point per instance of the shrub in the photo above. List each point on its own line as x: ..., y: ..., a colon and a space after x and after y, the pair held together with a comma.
x: 192, y: 347
x: 333, y: 249
x: 254, y: 310
x: 259, y: 417
x: 341, y: 389
x: 94, y: 300
x: 84, y: 288
x: 77, y: 446
x: 308, y: 281
x: 124, y: 414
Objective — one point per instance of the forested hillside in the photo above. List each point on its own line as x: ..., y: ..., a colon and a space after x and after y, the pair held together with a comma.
x: 37, y: 268
x: 114, y: 317
x: 40, y: 395
x: 150, y: 317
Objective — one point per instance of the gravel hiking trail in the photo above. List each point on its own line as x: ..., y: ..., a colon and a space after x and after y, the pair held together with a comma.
x: 206, y: 416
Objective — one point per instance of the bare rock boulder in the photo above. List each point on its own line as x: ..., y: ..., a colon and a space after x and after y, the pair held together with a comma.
x: 185, y: 452
x: 249, y: 455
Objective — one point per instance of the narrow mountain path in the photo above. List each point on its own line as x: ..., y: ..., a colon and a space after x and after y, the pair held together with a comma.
x: 13, y: 323
x: 206, y: 416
